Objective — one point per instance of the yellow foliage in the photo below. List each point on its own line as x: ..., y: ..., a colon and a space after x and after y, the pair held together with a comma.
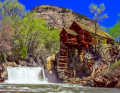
x: 50, y: 72
x: 49, y: 60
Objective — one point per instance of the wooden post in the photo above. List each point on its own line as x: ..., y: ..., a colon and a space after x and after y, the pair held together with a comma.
x: 6, y: 61
x: 74, y: 72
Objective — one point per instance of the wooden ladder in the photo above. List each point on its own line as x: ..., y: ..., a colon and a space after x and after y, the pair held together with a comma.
x: 62, y: 62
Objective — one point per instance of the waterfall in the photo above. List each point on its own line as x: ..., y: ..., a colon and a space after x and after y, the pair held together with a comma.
x: 26, y: 75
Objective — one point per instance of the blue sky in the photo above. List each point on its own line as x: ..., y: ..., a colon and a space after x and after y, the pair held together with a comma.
x: 81, y: 6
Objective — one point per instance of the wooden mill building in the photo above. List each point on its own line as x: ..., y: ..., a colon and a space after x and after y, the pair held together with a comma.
x: 80, y: 37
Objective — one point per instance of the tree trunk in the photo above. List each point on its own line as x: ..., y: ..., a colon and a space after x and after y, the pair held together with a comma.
x: 95, y: 35
x: 118, y: 40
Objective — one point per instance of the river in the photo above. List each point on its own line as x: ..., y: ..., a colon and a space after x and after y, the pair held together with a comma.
x: 33, y: 80
x: 52, y: 88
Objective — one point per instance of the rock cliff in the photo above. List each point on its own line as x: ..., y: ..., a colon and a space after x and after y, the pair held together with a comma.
x: 59, y: 17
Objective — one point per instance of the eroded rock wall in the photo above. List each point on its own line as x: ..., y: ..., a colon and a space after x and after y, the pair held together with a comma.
x: 59, y: 17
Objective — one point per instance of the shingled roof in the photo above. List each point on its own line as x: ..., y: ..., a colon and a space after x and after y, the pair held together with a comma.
x: 92, y: 30
x: 70, y: 31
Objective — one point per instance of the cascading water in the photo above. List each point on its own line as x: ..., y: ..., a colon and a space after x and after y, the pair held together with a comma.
x: 26, y: 75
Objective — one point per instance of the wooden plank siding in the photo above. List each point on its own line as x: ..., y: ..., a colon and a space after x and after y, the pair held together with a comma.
x: 76, y: 37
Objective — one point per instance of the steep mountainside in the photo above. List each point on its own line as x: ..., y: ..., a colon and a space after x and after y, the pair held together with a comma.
x: 59, y: 17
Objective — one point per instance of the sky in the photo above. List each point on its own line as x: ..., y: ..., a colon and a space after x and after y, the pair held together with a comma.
x: 112, y: 7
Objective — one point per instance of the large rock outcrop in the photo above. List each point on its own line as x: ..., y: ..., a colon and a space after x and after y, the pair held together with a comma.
x: 59, y: 17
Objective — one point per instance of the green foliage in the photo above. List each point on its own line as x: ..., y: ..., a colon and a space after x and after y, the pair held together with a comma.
x: 34, y: 36
x: 29, y: 35
x: 113, y: 70
x: 97, y: 11
x: 115, y: 30
x: 11, y: 10
x: 82, y: 20
x: 4, y: 55
x: 114, y: 65
x: 20, y: 51
x: 98, y: 16
x: 102, y: 45
x: 52, y: 41
x: 102, y: 28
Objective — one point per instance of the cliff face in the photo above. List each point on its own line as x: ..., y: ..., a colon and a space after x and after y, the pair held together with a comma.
x: 59, y: 17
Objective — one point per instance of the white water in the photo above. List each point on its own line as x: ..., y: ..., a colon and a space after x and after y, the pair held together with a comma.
x: 26, y: 75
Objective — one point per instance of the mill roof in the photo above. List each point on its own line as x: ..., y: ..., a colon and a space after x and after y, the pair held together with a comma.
x: 70, y: 31
x: 92, y: 30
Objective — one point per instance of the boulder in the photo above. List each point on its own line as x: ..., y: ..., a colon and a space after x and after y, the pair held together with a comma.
x: 38, y: 61
x: 112, y: 83
x: 3, y: 73
x: 12, y: 64
x: 29, y: 60
x: 22, y: 63
x: 99, y: 82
